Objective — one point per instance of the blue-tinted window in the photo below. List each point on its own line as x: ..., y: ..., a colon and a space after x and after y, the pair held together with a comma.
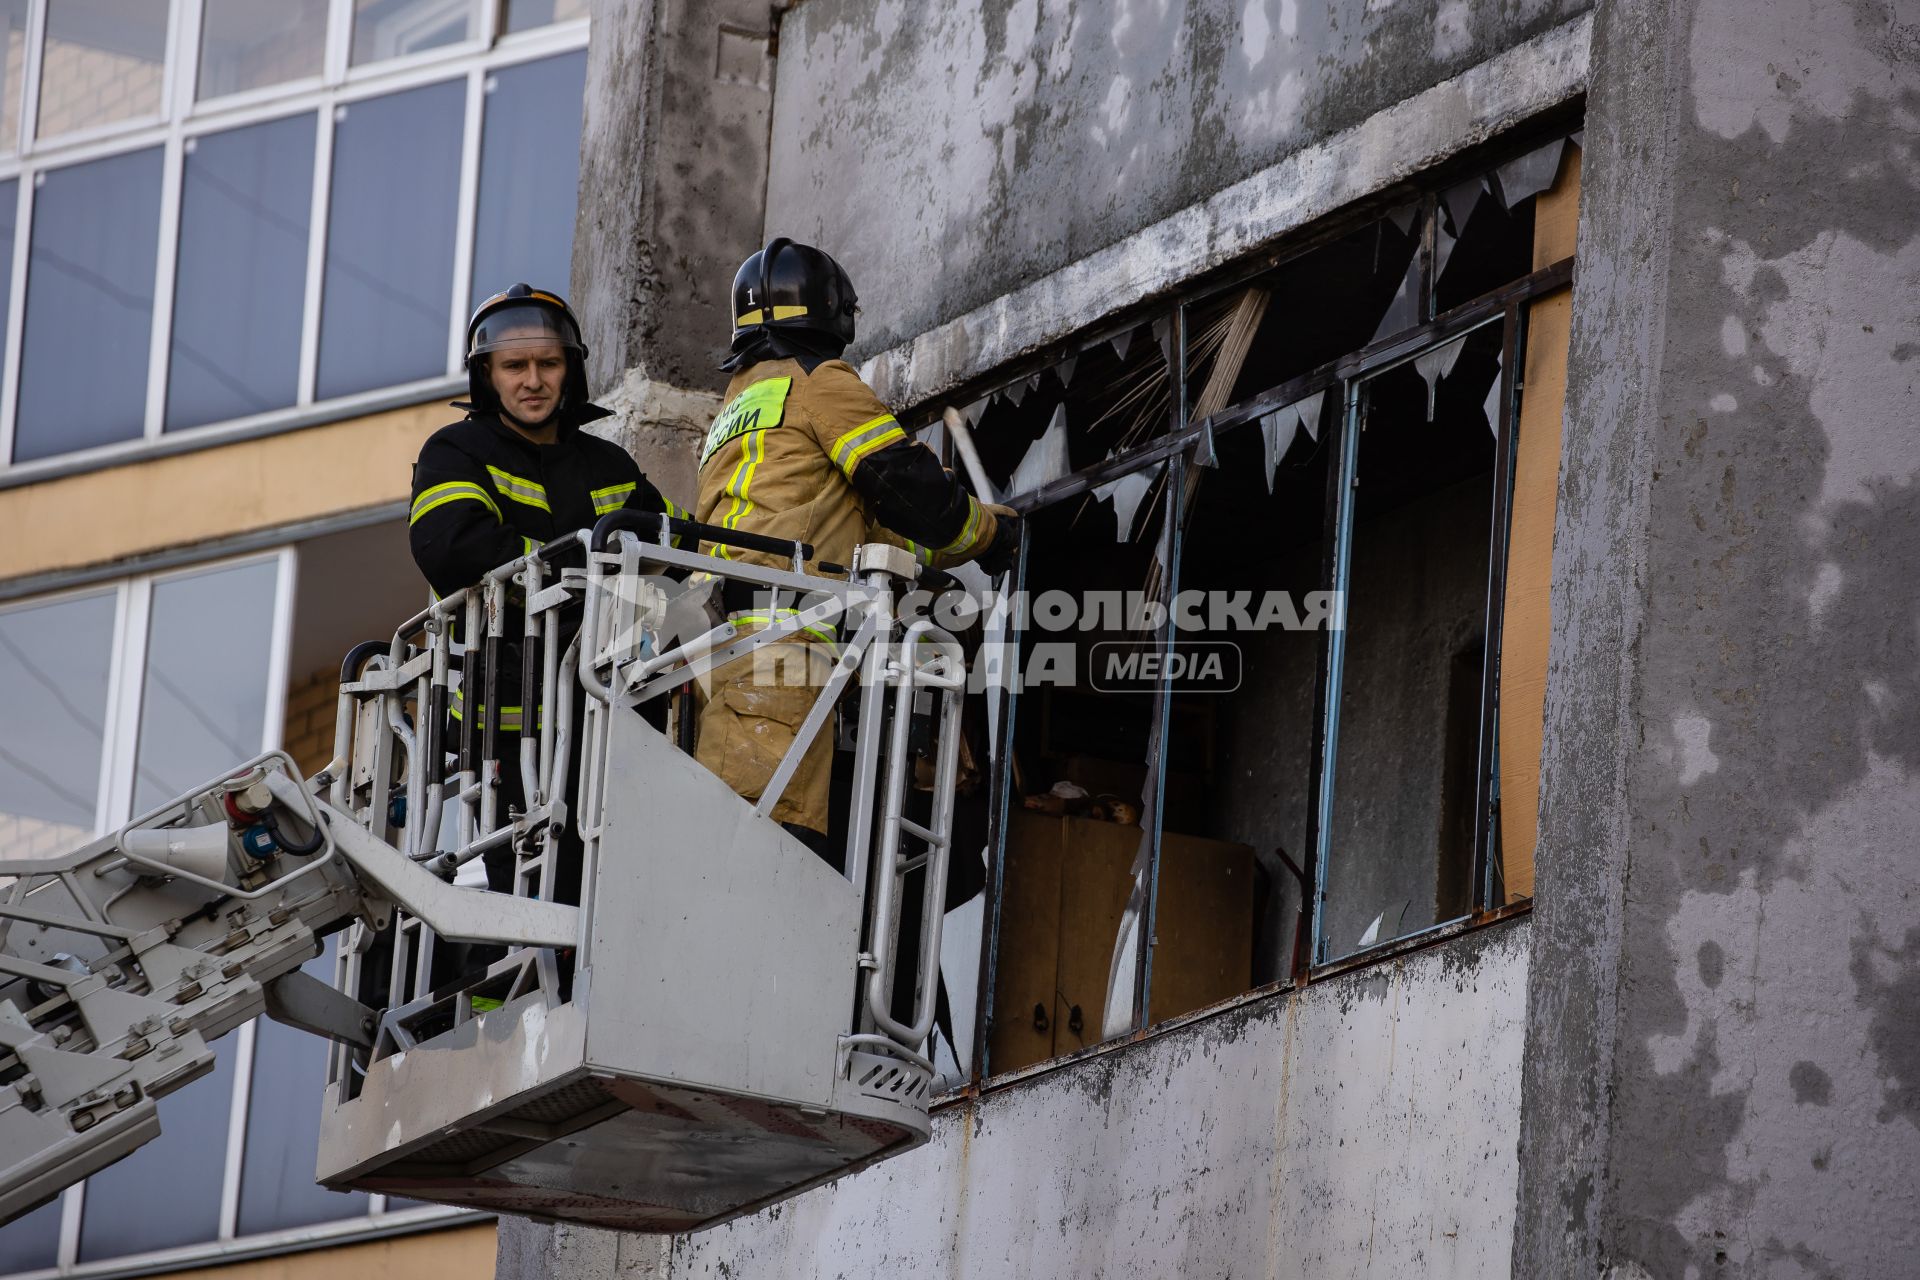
x: 9, y: 224
x: 203, y: 703
x: 248, y: 45
x: 529, y: 175
x: 525, y: 15
x: 392, y: 28
x: 13, y: 58
x: 83, y: 358
x: 277, y: 1190
x: 167, y: 1193
x: 54, y: 665
x: 245, y: 202
x: 32, y: 1242
x: 389, y: 278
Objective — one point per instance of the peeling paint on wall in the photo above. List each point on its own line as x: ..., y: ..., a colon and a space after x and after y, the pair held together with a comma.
x: 1365, y: 1127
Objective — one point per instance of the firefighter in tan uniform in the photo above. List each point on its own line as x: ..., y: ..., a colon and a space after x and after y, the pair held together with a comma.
x: 803, y: 450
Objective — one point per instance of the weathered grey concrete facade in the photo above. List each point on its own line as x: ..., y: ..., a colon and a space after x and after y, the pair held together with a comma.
x: 1723, y: 1046
x: 1715, y: 1068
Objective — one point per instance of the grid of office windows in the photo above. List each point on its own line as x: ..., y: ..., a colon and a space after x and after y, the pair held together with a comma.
x: 220, y: 215
x: 122, y: 695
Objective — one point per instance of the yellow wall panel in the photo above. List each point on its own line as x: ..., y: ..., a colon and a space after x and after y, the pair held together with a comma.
x: 461, y: 1253
x: 1527, y: 623
x: 106, y: 515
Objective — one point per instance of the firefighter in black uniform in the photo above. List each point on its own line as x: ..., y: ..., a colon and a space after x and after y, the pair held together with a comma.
x: 515, y: 473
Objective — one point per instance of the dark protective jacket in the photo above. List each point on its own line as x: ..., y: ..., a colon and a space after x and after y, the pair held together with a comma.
x: 483, y: 494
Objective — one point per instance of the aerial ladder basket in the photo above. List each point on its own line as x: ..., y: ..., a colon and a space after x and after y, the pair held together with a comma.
x: 679, y: 1014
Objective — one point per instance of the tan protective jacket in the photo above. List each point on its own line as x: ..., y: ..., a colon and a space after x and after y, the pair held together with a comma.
x: 783, y: 457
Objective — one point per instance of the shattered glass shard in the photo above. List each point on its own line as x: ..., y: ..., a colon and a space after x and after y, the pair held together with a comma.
x: 1125, y: 495
x: 1203, y: 450
x: 1404, y: 217
x: 1276, y: 433
x: 1064, y: 370
x: 1163, y: 334
x: 1460, y: 200
x: 1121, y: 341
x: 1046, y: 458
x: 1310, y: 415
x: 1528, y: 175
x: 1436, y: 364
x: 1443, y: 242
x: 1402, y: 312
x: 1492, y: 406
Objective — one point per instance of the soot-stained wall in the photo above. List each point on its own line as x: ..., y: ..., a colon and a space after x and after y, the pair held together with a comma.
x: 1723, y: 1067
x: 952, y: 153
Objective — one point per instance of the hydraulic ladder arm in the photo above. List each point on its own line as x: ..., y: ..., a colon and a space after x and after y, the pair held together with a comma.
x: 121, y: 962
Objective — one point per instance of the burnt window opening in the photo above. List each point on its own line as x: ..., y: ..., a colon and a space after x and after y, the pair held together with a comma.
x: 1255, y: 550
x: 1081, y: 774
x: 1166, y: 846
x: 1421, y: 514
x: 1111, y: 396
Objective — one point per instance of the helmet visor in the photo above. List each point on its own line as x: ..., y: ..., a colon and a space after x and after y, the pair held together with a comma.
x: 521, y: 328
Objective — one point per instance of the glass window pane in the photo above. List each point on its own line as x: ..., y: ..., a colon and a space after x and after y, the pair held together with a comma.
x: 54, y: 665
x: 247, y: 45
x: 167, y: 1193
x: 390, y: 28
x: 524, y: 15
x: 277, y: 1190
x: 83, y: 359
x: 529, y: 174
x: 244, y: 206
x: 389, y: 277
x: 13, y: 61
x: 9, y: 223
x: 204, y: 701
x: 32, y: 1242
x: 1406, y: 767
x: 102, y: 61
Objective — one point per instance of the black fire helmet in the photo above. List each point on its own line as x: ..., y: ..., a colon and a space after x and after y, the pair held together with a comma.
x: 792, y: 286
x: 524, y: 316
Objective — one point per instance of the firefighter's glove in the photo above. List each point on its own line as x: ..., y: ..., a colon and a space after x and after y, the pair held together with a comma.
x: 1004, y: 550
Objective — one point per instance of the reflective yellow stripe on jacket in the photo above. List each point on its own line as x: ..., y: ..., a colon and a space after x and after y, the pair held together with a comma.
x: 850, y: 448
x: 817, y: 630
x: 753, y: 451
x: 969, y: 532
x: 452, y: 491
x: 611, y: 498
x: 510, y: 717
x: 528, y: 493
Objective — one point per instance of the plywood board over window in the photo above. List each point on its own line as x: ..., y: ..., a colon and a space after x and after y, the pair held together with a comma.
x: 1528, y: 620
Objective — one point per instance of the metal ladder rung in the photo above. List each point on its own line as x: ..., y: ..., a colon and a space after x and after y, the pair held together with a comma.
x: 919, y: 832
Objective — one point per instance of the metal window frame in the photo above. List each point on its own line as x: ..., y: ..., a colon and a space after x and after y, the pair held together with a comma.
x: 133, y: 604
x: 183, y: 118
x: 1506, y: 306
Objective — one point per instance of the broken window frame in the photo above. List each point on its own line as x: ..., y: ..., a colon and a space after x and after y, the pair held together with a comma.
x: 1180, y: 450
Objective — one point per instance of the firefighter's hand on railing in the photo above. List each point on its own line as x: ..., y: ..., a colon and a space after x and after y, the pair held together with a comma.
x: 1004, y: 550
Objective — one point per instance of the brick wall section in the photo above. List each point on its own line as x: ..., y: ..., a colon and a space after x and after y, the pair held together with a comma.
x: 23, y: 837
x: 308, y: 733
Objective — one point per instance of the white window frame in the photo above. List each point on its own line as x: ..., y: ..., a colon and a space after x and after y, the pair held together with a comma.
x: 186, y: 118
x: 133, y: 600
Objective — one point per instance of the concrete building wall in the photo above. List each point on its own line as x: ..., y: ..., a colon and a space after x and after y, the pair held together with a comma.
x: 1364, y: 1126
x: 1723, y: 1062
x: 951, y: 154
